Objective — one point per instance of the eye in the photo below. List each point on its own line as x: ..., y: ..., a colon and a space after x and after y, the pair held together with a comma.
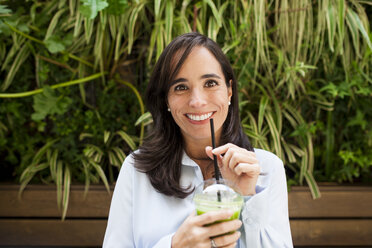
x: 210, y: 83
x: 180, y: 87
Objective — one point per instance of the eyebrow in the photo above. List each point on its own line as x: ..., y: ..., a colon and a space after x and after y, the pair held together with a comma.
x: 210, y: 75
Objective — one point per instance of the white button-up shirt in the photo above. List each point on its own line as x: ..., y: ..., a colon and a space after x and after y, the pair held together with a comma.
x: 142, y: 217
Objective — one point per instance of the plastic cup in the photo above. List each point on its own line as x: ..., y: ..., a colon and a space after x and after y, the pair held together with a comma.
x: 213, y: 195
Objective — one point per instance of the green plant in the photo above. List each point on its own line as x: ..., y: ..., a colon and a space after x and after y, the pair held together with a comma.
x: 301, y: 67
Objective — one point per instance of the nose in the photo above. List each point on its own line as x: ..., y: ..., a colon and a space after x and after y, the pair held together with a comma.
x: 197, y: 99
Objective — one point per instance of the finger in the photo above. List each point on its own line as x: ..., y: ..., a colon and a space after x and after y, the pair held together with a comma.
x: 229, y: 160
x: 227, y: 240
x: 241, y: 157
x: 251, y: 169
x: 224, y: 227
x: 212, y: 216
x: 222, y: 149
x: 208, y: 151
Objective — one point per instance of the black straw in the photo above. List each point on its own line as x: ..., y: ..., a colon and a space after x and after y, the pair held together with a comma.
x: 216, y: 170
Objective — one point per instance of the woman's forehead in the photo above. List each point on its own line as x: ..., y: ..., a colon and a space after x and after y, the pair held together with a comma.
x: 200, y: 61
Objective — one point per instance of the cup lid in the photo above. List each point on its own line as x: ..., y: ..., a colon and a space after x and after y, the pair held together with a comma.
x: 216, y: 191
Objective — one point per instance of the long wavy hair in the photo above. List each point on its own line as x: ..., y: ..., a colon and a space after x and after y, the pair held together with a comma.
x: 160, y: 156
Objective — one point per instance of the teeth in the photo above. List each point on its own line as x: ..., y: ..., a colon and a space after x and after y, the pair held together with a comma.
x: 199, y: 117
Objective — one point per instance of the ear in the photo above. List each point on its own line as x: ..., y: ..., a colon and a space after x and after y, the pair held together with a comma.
x: 229, y: 89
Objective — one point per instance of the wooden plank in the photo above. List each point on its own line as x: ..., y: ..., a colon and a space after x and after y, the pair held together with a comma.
x: 336, y: 232
x: 78, y: 233
x: 30, y: 232
x: 336, y: 201
x: 41, y: 201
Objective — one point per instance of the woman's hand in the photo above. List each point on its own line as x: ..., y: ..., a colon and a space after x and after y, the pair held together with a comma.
x: 237, y: 165
x: 194, y: 233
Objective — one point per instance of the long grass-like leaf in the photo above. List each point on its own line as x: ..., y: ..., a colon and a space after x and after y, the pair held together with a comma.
x: 85, y: 135
x: 87, y: 176
x: 261, y: 112
x: 299, y: 152
x: 119, y: 154
x: 59, y: 178
x: 79, y: 19
x: 53, y: 164
x: 66, y: 192
x: 254, y: 135
x: 153, y: 37
x: 341, y: 23
x: 212, y: 29
x: 42, y: 151
x: 24, y: 183
x: 106, y: 136
x: 312, y: 185
x: 18, y: 61
x: 160, y: 42
x: 127, y: 139
x: 288, y: 152
x: 91, y: 149
x: 353, y: 28
x: 169, y: 20
x: 101, y: 174
x: 186, y: 27
x: 53, y: 22
x: 132, y: 24
x: 118, y: 39
x: 157, y: 4
x: 360, y: 26
x: 29, y: 173
x: 10, y: 53
x: 215, y: 12
x: 275, y: 135
x: 113, y: 159
x: 146, y: 119
x: 303, y: 169
x: 88, y: 26
x: 331, y: 22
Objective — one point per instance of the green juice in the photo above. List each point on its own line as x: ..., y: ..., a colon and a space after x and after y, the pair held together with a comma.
x: 204, y: 205
x: 214, y: 196
x: 233, y: 217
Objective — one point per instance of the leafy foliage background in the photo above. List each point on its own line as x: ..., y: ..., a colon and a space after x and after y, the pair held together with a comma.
x: 72, y: 74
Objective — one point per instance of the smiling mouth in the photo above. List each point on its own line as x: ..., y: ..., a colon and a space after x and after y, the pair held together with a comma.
x: 202, y: 117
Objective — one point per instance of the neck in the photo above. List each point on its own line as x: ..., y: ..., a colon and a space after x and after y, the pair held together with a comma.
x: 195, y: 149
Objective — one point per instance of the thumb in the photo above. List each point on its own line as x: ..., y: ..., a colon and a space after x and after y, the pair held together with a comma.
x: 208, y: 151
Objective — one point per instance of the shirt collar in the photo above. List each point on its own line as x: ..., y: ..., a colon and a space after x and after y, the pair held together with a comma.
x: 187, y: 161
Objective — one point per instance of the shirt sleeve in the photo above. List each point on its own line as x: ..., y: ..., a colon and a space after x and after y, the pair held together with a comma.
x: 119, y: 231
x: 265, y: 215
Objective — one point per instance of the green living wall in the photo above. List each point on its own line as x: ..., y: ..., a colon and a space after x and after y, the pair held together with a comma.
x: 73, y: 72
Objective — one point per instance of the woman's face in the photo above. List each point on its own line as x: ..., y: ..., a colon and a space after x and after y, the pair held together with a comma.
x: 198, y: 93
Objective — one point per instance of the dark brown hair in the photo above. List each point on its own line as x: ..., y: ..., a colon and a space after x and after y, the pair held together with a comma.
x: 160, y: 156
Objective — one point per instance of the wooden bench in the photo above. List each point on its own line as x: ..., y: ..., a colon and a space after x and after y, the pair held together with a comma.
x: 341, y: 217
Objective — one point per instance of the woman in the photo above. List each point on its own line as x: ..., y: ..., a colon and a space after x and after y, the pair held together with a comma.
x: 152, y: 202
